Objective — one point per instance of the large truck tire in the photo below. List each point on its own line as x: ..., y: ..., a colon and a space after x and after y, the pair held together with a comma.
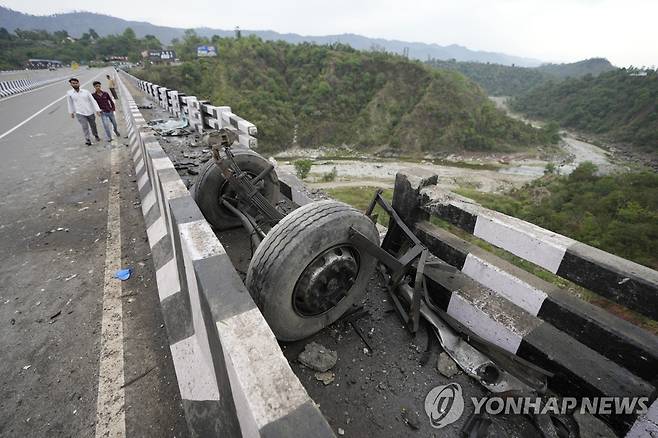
x: 306, y: 273
x: 211, y: 185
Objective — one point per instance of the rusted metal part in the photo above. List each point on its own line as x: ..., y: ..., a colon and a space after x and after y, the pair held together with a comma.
x: 254, y: 235
x: 325, y: 281
x: 494, y: 368
x: 472, y: 361
x: 244, y: 186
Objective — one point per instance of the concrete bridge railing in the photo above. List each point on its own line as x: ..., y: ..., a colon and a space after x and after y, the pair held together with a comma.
x: 232, y: 376
x: 200, y: 114
x: 592, y: 352
x: 9, y: 88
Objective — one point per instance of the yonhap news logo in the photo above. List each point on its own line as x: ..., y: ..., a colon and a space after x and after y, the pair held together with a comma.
x: 445, y: 404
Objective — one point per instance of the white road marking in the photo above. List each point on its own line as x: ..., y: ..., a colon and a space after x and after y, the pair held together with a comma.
x: 110, y: 406
x: 41, y: 110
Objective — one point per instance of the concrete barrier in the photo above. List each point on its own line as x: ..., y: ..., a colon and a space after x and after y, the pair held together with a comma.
x: 232, y: 376
x: 592, y: 353
x: 9, y: 88
x: 617, y: 279
x: 200, y: 114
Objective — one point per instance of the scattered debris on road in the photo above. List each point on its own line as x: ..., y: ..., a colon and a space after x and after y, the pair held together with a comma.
x: 447, y: 366
x: 327, y: 377
x: 171, y: 127
x: 318, y: 357
x: 123, y: 274
x: 411, y: 418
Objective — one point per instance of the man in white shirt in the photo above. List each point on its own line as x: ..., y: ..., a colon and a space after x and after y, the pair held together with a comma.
x: 83, y: 106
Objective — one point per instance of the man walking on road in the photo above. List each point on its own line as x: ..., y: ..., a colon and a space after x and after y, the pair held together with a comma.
x: 107, y: 107
x: 112, y: 86
x: 83, y: 106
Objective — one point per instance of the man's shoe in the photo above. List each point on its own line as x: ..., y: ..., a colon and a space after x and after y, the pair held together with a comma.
x: 88, y: 142
x: 98, y: 138
x: 117, y: 133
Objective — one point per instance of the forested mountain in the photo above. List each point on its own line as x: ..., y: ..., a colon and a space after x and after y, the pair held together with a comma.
x: 16, y: 48
x: 76, y: 23
x: 504, y: 80
x: 592, y: 66
x: 333, y: 95
x: 621, y: 105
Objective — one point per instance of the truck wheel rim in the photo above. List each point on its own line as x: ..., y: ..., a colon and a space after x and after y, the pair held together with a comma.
x: 326, y: 281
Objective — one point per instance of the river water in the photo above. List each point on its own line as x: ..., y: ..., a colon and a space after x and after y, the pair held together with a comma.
x: 581, y: 151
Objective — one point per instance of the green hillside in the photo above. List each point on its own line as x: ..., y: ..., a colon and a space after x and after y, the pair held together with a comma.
x: 621, y: 105
x: 617, y: 213
x: 17, y: 47
x: 334, y: 95
x: 504, y: 80
x: 592, y: 66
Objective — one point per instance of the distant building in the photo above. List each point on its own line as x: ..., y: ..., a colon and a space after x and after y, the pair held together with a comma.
x: 159, y: 56
x: 42, y: 63
x: 116, y: 58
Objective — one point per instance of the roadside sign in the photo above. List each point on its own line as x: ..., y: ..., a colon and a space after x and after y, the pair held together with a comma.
x: 206, y: 51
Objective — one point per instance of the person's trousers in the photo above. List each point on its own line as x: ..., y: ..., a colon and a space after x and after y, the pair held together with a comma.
x: 109, y: 122
x: 114, y: 93
x: 87, y: 122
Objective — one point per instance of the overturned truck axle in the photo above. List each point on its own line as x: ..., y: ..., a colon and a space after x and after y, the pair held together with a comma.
x: 305, y: 271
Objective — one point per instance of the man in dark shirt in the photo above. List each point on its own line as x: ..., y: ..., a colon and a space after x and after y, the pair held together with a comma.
x: 106, y: 104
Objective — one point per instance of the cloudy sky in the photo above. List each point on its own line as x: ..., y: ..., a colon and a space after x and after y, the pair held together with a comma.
x: 624, y: 31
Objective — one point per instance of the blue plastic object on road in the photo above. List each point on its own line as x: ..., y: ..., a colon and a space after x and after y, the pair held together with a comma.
x: 123, y: 274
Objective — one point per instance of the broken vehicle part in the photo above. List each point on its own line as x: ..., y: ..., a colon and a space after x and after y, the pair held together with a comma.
x: 473, y: 362
x: 307, y: 273
x: 171, y: 127
x: 212, y: 186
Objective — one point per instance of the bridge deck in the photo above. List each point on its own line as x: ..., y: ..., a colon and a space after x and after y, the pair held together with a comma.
x: 54, y: 207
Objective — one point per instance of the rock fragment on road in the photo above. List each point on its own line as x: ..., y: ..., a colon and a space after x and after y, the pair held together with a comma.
x: 317, y: 357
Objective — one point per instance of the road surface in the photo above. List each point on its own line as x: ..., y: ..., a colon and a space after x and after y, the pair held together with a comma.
x: 69, y: 215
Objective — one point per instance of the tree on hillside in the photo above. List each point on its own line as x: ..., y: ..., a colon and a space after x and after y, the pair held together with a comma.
x: 186, y: 49
x: 4, y: 34
x: 129, y: 34
x: 60, y: 35
x: 151, y: 42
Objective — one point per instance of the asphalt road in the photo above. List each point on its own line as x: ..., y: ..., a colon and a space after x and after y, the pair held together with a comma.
x: 55, y: 209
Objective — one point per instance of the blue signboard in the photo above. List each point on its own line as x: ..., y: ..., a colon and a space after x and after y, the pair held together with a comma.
x: 206, y: 51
